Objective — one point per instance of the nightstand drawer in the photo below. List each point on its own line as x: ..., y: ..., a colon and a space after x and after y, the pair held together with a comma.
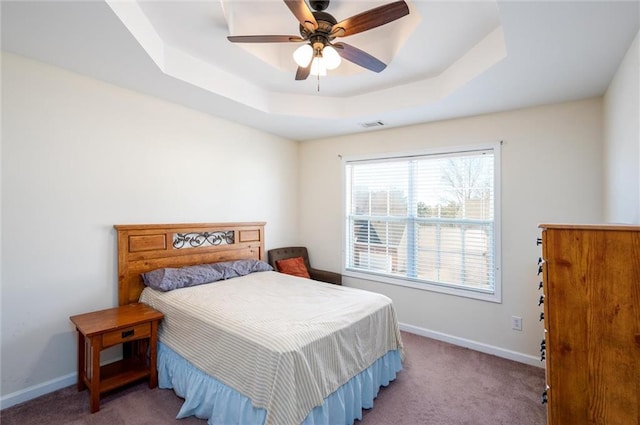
x: 126, y: 334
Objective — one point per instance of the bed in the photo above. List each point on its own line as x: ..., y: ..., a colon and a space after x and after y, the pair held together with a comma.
x: 256, y: 346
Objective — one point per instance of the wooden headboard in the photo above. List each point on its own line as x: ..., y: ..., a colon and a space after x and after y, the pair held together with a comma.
x: 145, y: 247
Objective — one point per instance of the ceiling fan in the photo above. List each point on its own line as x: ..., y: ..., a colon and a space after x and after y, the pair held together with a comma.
x: 318, y: 29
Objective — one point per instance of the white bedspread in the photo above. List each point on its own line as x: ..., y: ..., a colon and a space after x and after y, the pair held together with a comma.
x: 284, y: 342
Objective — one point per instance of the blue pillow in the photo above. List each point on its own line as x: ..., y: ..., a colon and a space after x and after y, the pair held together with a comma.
x: 231, y: 269
x: 168, y: 279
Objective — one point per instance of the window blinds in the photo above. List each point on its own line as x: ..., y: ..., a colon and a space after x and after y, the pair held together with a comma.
x: 426, y: 218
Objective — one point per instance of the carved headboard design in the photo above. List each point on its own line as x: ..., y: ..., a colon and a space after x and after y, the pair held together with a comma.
x: 145, y: 247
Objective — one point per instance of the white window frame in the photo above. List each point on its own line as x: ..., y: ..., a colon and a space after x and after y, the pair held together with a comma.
x: 492, y: 296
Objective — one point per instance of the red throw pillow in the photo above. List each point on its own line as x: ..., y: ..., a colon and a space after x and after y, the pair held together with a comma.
x: 294, y: 266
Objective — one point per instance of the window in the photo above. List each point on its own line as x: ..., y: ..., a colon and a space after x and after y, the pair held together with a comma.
x: 427, y: 220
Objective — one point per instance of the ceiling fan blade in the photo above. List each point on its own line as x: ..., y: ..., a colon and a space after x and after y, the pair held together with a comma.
x: 264, y: 38
x: 302, y: 13
x: 370, y: 19
x: 359, y: 57
x: 303, y: 73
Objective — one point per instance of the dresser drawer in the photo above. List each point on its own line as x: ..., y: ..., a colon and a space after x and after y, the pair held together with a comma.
x: 126, y: 334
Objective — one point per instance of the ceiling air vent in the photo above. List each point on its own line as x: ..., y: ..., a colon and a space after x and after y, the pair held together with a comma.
x: 372, y: 124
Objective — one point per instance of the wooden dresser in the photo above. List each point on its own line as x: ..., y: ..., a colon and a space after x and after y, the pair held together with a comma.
x: 591, y: 299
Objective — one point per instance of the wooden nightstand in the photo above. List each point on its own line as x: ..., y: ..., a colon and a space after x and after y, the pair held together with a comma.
x: 133, y: 325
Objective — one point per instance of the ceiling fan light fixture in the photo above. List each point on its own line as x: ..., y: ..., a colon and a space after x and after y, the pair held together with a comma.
x: 318, y: 29
x: 330, y: 57
x: 318, y: 67
x: 303, y: 55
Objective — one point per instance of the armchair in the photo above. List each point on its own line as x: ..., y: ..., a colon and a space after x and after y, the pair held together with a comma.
x: 273, y: 255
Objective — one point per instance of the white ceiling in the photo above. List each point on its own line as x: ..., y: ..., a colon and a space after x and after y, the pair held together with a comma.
x: 447, y: 59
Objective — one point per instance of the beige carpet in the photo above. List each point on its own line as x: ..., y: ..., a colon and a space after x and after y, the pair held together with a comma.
x: 441, y: 384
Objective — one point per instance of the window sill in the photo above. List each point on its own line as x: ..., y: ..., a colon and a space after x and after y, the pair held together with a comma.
x: 432, y: 287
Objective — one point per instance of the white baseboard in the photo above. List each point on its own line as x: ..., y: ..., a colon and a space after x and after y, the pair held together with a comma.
x: 37, y: 390
x: 474, y: 345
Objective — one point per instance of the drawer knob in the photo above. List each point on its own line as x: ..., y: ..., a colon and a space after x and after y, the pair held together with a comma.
x: 540, y: 285
x: 539, y: 241
x: 128, y: 333
x: 541, y: 300
x: 544, y: 397
x: 541, y: 316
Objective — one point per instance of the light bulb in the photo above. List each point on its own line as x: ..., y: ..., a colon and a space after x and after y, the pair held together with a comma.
x: 318, y: 67
x: 302, y: 55
x: 331, y: 57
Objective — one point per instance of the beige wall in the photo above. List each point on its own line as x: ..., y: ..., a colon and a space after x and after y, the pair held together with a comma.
x: 622, y: 140
x: 79, y: 156
x: 551, y: 172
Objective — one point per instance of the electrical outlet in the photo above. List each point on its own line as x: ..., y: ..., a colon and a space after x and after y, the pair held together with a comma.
x: 516, y: 323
